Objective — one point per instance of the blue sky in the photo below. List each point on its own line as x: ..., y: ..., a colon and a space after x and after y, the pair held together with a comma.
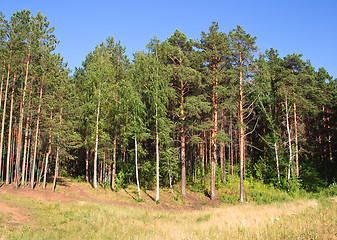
x: 308, y: 27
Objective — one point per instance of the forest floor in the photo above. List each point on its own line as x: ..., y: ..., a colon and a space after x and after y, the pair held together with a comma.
x: 77, y: 211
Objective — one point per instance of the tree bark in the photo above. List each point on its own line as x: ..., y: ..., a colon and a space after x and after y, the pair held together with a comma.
x: 114, y: 158
x: 3, y: 121
x: 36, y: 137
x: 157, y: 156
x: 19, y: 136
x: 57, y: 153
x: 136, y: 162
x: 242, y: 134
x: 96, y: 142
x: 26, y: 145
x: 86, y: 161
x: 289, y: 140
x: 296, y: 142
x: 9, y: 134
x: 49, y: 151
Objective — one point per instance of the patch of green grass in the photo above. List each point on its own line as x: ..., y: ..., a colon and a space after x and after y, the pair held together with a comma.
x: 204, y: 218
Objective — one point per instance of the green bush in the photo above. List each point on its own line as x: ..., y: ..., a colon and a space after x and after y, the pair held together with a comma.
x: 227, y: 198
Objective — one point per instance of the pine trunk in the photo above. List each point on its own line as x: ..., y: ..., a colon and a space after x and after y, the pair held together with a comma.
x: 26, y: 146
x: 49, y: 151
x: 3, y: 121
x: 19, y: 136
x: 113, y: 187
x: 242, y: 137
x: 86, y: 161
x: 296, y: 142
x: 8, y: 178
x: 157, y: 156
x: 213, y: 139
x: 36, y: 137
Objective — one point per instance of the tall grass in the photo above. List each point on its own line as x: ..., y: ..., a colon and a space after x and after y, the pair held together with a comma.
x: 302, y: 219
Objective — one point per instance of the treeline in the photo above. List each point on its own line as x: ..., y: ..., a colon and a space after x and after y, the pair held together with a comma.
x: 186, y: 112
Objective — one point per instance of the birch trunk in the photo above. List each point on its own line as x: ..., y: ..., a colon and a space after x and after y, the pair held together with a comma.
x: 136, y: 162
x: 289, y: 140
x: 57, y: 153
x: 96, y: 142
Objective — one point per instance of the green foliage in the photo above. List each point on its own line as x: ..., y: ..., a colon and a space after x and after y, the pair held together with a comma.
x: 121, y: 180
x: 330, y: 191
x: 147, y: 175
x: 260, y: 193
x: 229, y: 199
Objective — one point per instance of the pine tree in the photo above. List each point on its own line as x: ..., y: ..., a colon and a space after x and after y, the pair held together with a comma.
x: 243, y: 47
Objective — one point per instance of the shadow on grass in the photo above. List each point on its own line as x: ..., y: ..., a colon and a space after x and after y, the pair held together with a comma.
x: 144, y: 191
x: 130, y: 194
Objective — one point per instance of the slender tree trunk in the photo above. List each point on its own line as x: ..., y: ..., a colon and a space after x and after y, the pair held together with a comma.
x: 3, y: 121
x: 57, y: 153
x: 86, y: 161
x: 96, y: 142
x: 289, y: 140
x: 113, y: 187
x: 9, y: 134
x: 157, y: 156
x: 49, y: 151
x: 19, y: 138
x: 183, y: 162
x: 242, y: 136
x: 36, y: 137
x: 231, y: 146
x: 222, y: 152
x: 202, y: 157
x: 296, y: 142
x: 136, y: 162
x: 213, y: 144
x: 26, y: 146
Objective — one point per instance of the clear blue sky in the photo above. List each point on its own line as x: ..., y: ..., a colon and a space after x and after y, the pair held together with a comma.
x: 297, y: 26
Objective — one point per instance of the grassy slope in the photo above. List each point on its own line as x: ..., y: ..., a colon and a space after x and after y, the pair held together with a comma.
x: 78, y: 212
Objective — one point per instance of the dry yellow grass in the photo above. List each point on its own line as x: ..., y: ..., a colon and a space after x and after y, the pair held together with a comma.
x: 83, y: 218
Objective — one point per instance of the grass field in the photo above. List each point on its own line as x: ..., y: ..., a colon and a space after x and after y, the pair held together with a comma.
x: 78, y: 212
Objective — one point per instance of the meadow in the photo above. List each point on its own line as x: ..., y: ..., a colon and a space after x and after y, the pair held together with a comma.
x: 75, y: 211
